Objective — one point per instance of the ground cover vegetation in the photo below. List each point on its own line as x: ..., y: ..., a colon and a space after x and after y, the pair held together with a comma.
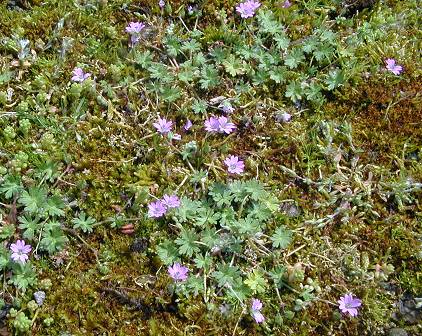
x: 210, y: 167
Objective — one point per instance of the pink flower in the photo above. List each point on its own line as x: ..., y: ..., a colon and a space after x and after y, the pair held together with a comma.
x: 212, y: 125
x: 234, y: 165
x: 156, y: 209
x: 79, y: 75
x: 188, y: 125
x: 135, y: 27
x: 178, y: 272
x: 162, y: 125
x: 20, y: 251
x: 286, y: 4
x: 225, y: 126
x: 349, y: 305
x: 247, y: 9
x: 171, y: 201
x: 393, y: 67
x: 256, y: 311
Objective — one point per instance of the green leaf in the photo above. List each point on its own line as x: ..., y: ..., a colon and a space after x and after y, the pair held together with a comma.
x: 203, y: 262
x: 187, y: 242
x: 173, y: 45
x: 234, y: 66
x: 335, y: 78
x: 294, y: 91
x: 278, y: 74
x: 294, y: 58
x: 210, y: 77
x: 191, y: 46
x: 268, y: 22
x: 167, y: 252
x: 4, y: 257
x: 281, y: 237
x: 83, y: 223
x: 24, y: 275
x: 53, y: 240
x: 144, y: 59
x: 160, y: 72
x: 34, y: 200
x: 199, y: 106
x: 11, y: 186
x: 29, y: 225
x: 54, y: 206
x: 256, y: 282
x: 170, y: 94
x: 282, y: 41
x: 227, y: 274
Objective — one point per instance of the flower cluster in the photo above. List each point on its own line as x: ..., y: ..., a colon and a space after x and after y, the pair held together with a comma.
x: 160, y: 207
x: 348, y: 305
x: 219, y: 125
x: 248, y: 8
x: 20, y: 251
x: 256, y: 311
x: 134, y: 29
x: 79, y: 75
x: 178, y: 272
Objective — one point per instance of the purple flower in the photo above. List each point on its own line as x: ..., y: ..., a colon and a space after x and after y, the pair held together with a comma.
x: 225, y: 126
x: 256, y: 311
x: 79, y: 75
x: 349, y: 305
x: 219, y: 125
x: 247, y: 9
x: 393, y: 67
x: 212, y: 125
x: 188, y: 125
x: 227, y: 108
x: 286, y: 4
x: 161, y: 3
x: 284, y: 117
x: 163, y: 126
x: 135, y: 27
x: 176, y: 136
x: 39, y: 297
x: 234, y: 165
x: 20, y: 251
x: 178, y: 272
x: 156, y: 209
x: 171, y: 201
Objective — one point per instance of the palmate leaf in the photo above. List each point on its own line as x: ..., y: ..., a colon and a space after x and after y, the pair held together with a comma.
x: 167, y: 252
x: 294, y: 58
x: 256, y: 282
x: 170, y: 94
x: 53, y: 240
x: 281, y: 237
x: 34, y: 200
x: 268, y: 22
x: 54, y: 206
x: 234, y: 66
x: 29, y: 225
x: 187, y: 242
x: 227, y: 274
x: 210, y: 77
x: 335, y: 78
x: 24, y: 275
x: 11, y: 186
x: 294, y: 91
x: 83, y: 223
